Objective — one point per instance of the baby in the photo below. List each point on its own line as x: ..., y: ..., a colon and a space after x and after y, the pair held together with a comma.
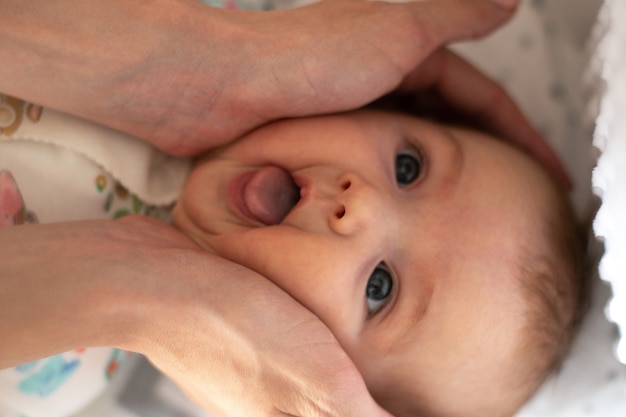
x: 446, y: 262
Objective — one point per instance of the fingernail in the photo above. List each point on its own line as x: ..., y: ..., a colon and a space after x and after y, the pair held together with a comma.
x: 506, y: 4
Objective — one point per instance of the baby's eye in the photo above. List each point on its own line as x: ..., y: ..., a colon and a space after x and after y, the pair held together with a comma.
x: 378, y: 289
x: 408, y: 169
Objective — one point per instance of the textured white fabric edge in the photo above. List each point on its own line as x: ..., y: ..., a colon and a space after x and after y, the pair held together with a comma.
x: 609, y: 176
x: 152, y: 175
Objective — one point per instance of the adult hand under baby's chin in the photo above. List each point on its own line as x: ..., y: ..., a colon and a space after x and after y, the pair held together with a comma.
x: 232, y: 340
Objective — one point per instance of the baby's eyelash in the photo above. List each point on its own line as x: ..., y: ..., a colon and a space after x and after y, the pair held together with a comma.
x: 409, y: 167
x: 379, y: 289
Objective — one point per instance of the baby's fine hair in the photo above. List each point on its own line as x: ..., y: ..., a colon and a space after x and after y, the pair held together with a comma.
x: 556, y: 285
x: 554, y: 281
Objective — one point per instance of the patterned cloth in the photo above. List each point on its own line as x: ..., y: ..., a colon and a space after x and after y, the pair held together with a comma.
x: 46, y: 177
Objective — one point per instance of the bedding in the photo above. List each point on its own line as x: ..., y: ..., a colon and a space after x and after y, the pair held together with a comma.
x: 608, y: 77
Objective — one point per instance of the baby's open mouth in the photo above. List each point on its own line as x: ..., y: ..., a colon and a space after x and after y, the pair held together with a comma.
x: 268, y: 194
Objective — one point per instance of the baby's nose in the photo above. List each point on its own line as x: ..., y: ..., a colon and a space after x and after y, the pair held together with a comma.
x: 357, y: 207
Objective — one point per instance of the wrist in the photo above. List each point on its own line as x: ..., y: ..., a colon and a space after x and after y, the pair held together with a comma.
x: 179, y: 87
x: 68, y: 47
x: 67, y: 303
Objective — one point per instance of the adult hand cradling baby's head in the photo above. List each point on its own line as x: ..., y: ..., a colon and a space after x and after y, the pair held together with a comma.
x: 207, y: 76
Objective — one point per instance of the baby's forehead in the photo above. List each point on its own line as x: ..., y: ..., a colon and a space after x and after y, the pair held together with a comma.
x: 470, y: 370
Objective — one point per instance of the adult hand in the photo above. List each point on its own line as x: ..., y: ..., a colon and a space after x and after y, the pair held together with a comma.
x: 188, y: 77
x: 232, y: 340
x: 238, y: 345
x: 448, y: 88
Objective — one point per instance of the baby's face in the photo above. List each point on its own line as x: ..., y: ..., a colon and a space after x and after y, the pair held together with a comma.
x: 403, y: 240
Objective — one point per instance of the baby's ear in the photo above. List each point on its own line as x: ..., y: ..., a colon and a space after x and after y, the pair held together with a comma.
x: 11, y: 202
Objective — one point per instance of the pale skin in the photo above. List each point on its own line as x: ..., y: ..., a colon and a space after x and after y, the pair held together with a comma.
x: 448, y: 240
x: 128, y: 65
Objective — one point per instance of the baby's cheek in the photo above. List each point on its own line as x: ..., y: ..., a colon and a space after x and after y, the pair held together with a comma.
x: 177, y: 216
x: 184, y: 223
x: 196, y: 207
x: 181, y: 221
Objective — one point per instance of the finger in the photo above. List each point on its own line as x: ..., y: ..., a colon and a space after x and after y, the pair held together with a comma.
x: 377, y: 411
x: 478, y: 96
x: 444, y: 21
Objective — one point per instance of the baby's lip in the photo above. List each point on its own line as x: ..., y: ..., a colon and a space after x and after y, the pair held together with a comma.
x: 265, y: 195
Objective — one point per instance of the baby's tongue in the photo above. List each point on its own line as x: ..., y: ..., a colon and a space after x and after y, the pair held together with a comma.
x: 271, y: 194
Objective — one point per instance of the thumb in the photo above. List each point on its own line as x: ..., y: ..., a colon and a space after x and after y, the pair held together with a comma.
x: 444, y: 21
x: 375, y: 410
x: 353, y: 399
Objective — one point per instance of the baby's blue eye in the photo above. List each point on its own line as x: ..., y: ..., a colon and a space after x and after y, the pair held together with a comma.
x: 378, y: 289
x: 408, y: 169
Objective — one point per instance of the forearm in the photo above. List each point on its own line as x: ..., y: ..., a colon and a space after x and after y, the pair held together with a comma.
x: 49, y: 292
x: 139, y: 285
x: 233, y: 341
x: 122, y: 63
x: 57, y: 52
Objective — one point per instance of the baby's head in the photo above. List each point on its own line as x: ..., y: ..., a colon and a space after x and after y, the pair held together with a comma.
x: 444, y: 261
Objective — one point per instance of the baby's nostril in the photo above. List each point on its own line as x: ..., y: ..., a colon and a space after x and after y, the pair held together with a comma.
x: 341, y: 212
x: 346, y: 185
